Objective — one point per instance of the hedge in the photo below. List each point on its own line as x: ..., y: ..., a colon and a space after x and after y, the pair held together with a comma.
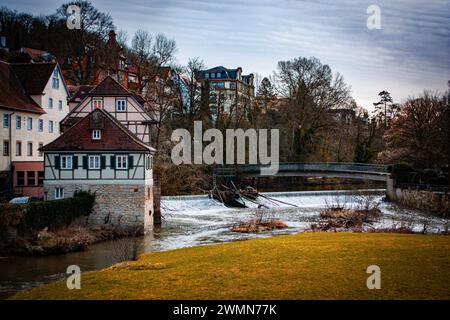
x: 38, y: 215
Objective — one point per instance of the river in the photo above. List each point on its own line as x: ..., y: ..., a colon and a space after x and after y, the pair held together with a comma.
x: 198, y: 220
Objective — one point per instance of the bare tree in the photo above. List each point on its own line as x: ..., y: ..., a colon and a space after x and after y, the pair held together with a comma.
x: 417, y: 133
x: 83, y: 46
x: 310, y: 91
x: 194, y: 66
x: 150, y: 56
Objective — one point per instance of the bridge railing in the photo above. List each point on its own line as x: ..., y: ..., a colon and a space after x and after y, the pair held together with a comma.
x: 323, y: 166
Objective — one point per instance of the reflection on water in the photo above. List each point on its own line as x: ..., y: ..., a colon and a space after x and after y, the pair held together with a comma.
x: 197, y: 220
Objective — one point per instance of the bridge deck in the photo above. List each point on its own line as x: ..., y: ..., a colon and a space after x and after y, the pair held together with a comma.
x: 330, y: 169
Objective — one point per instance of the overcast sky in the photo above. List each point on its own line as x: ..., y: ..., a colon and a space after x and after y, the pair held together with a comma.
x: 410, y: 53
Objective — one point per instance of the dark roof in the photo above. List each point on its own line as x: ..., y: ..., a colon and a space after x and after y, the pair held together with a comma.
x: 225, y: 74
x: 108, y: 87
x: 139, y: 98
x: 12, y: 93
x: 115, y: 137
x: 80, y: 92
x: 33, y: 76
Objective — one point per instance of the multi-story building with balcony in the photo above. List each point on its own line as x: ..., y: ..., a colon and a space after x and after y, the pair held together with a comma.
x: 229, y: 89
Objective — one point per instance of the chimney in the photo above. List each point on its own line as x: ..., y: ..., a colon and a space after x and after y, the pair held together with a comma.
x: 112, y: 36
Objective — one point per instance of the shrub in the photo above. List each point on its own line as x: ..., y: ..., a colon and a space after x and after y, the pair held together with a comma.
x: 401, y: 172
x: 57, y: 213
x: 440, y: 181
x: 38, y: 215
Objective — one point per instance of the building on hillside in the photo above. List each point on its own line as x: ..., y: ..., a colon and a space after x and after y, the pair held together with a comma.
x: 98, y: 154
x: 36, y: 55
x: 110, y: 62
x: 228, y: 88
x: 33, y: 100
x: 127, y: 107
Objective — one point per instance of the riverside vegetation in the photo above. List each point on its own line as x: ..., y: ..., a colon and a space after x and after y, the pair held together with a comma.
x: 50, y: 227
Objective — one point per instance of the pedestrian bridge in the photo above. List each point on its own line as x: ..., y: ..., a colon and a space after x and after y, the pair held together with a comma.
x: 346, y: 170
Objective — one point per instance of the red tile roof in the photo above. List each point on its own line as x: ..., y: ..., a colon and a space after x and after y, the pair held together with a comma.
x: 115, y: 137
x: 12, y: 94
x: 33, y: 76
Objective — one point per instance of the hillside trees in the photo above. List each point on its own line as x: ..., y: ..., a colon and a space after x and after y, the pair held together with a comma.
x: 418, y: 133
x: 311, y: 91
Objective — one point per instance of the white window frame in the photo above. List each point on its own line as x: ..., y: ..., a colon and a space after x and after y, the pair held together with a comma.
x: 30, y: 123
x: 96, y: 134
x: 123, y: 164
x: 95, y: 100
x: 60, y: 105
x: 123, y: 107
x: 66, y: 162
x: 6, y: 148
x: 29, y: 149
x: 18, y: 122
x: 50, y: 103
x: 55, y: 79
x: 18, y: 148
x: 41, y: 125
x: 50, y: 126
x: 59, y: 193
x: 6, y: 123
x: 149, y: 163
x: 93, y: 165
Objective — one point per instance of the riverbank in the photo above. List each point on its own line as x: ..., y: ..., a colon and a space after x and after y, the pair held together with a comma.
x: 301, y: 266
x: 72, y: 238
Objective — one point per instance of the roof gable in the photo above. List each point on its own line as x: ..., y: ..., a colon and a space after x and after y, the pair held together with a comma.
x: 33, y: 76
x: 109, y: 86
x: 12, y: 93
x: 114, y: 137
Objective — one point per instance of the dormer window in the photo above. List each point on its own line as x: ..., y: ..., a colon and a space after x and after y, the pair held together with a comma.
x: 121, y: 105
x: 96, y: 134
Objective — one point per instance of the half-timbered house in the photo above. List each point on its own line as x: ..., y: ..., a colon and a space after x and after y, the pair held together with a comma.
x: 99, y: 154
x: 127, y: 107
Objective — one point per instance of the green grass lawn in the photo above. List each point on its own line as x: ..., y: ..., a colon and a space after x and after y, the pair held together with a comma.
x: 302, y: 266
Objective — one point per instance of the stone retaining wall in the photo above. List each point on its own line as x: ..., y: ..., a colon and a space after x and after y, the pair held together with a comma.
x: 435, y: 202
x: 128, y: 207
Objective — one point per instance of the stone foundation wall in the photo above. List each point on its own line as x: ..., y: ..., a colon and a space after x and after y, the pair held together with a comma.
x: 128, y: 207
x: 435, y: 202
